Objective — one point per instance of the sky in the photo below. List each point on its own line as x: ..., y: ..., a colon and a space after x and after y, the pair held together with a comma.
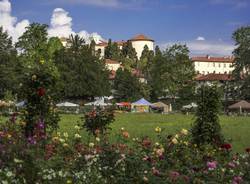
x: 206, y: 26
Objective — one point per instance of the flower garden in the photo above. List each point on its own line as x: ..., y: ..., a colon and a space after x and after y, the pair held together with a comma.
x: 63, y: 158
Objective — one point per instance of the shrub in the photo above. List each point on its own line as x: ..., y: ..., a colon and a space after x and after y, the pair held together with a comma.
x: 98, y: 120
x: 206, y: 128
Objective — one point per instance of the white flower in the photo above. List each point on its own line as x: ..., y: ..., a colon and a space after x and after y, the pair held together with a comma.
x: 9, y: 174
x: 97, y: 139
x: 65, y: 134
x: 91, y: 144
x: 77, y: 127
x: 77, y: 136
x: 62, y: 140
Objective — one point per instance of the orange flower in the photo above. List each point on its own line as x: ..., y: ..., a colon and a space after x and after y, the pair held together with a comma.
x: 125, y: 134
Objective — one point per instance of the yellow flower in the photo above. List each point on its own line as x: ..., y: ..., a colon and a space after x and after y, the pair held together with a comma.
x: 176, y: 136
x: 42, y: 61
x: 62, y: 140
x: 157, y: 144
x: 34, y: 77
x: 55, y: 139
x: 185, y: 143
x: 77, y: 127
x: 9, y: 136
x: 158, y: 129
x: 97, y: 139
x: 174, y: 141
x: 184, y: 131
x: 122, y: 128
x: 69, y: 181
x: 77, y: 136
x: 65, y: 134
x: 65, y: 145
x: 91, y: 145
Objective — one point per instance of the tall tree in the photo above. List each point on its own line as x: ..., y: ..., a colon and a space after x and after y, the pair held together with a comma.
x: 112, y: 51
x: 242, y: 61
x: 127, y: 87
x: 9, y: 66
x: 83, y: 75
x: 206, y: 128
x: 172, y: 73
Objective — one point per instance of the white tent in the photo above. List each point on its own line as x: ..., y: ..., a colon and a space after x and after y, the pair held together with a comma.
x: 67, y: 104
x: 190, y: 106
x: 99, y: 102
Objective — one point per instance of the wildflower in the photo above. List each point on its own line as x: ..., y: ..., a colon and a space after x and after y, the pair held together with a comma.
x: 77, y: 127
x: 145, y: 179
x: 91, y: 145
x: 174, y: 141
x: 62, y: 140
x: 41, y: 91
x: 157, y: 129
x: 237, y: 180
x: 65, y: 134
x: 69, y: 181
x: 226, y: 146
x: 77, y: 136
x: 176, y: 136
x: 157, y: 144
x: 65, y: 145
x: 174, y: 175
x: 42, y: 61
x: 55, y: 139
x: 248, y: 150
x: 184, y: 131
x: 97, y: 139
x: 31, y: 140
x: 122, y: 128
x: 155, y: 171
x: 9, y: 136
x: 231, y: 164
x: 125, y: 134
x: 17, y: 161
x: 185, y: 143
x: 33, y: 77
x: 212, y: 165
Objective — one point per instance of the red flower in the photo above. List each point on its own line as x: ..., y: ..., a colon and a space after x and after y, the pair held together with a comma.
x: 41, y: 92
x: 248, y: 150
x: 226, y: 146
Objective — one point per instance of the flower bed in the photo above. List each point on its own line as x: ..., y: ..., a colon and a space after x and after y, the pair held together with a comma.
x: 61, y: 158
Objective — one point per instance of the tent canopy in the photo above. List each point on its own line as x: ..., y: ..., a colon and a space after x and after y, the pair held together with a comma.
x: 99, y: 102
x: 240, y: 105
x: 124, y: 104
x: 142, y: 102
x: 192, y: 105
x: 159, y: 104
x: 67, y: 104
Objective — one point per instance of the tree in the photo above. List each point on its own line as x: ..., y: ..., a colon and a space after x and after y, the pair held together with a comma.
x: 83, y: 75
x: 242, y: 62
x: 206, y: 128
x: 127, y: 86
x: 172, y: 74
x: 112, y: 51
x: 9, y: 66
x: 39, y: 79
x: 146, y: 61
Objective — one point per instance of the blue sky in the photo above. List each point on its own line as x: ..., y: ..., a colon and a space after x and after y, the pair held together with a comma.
x: 166, y: 21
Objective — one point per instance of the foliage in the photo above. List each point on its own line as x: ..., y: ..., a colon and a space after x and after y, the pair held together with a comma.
x: 98, y: 120
x: 9, y: 66
x: 83, y: 75
x: 68, y: 159
x: 242, y: 63
x: 112, y: 51
x: 206, y: 129
x: 172, y: 74
x: 127, y: 86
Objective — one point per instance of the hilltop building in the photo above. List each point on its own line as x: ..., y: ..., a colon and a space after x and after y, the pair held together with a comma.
x: 215, y: 65
x: 138, y: 42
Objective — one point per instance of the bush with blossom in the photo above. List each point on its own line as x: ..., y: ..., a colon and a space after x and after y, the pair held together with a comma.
x: 66, y: 158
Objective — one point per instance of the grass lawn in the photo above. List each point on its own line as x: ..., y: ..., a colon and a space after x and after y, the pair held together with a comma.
x: 236, y: 129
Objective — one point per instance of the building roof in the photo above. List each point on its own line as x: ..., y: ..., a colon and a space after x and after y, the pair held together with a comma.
x: 214, y: 77
x: 102, y: 44
x: 110, y: 61
x: 228, y: 59
x: 240, y: 105
x: 141, y: 37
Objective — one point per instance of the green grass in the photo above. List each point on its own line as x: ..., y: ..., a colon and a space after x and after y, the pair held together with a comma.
x: 235, y: 128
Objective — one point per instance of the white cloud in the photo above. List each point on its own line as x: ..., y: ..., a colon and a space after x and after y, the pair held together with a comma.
x: 200, y: 38
x: 61, y: 26
x: 215, y: 48
x: 9, y: 23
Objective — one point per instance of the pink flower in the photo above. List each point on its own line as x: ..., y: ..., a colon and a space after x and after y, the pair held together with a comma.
x: 155, y: 171
x: 237, y: 180
x: 174, y: 175
x: 231, y: 164
x: 212, y: 165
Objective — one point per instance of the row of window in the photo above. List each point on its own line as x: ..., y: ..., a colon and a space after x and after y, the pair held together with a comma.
x: 219, y: 64
x: 204, y: 73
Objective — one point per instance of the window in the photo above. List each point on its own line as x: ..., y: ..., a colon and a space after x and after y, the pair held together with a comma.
x: 225, y: 65
x: 214, y: 64
x: 219, y: 65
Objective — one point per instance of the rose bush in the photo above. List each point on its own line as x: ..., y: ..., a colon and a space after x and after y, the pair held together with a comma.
x: 64, y: 158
